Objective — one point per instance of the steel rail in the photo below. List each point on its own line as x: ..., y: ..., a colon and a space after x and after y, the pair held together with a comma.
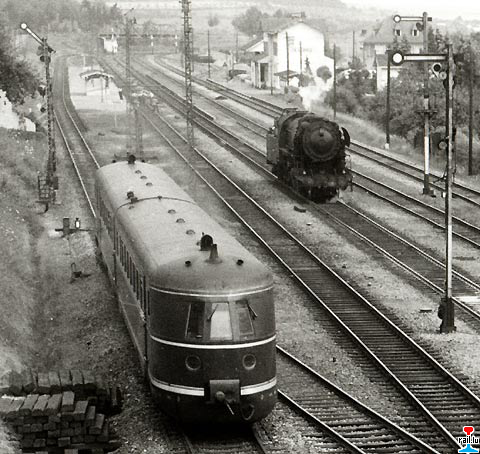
x: 471, y: 395
x: 336, y: 396
x: 420, y: 203
x: 63, y: 81
x: 259, y: 164
x: 374, y: 358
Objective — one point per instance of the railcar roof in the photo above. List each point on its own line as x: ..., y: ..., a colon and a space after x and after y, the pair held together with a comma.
x: 164, y: 227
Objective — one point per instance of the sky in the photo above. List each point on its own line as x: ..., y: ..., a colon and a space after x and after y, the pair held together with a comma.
x: 468, y: 9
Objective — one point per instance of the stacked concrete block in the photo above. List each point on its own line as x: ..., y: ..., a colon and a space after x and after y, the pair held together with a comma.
x: 59, y: 412
x: 85, y: 384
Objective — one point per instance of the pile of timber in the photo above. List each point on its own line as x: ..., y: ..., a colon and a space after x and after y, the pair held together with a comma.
x: 59, y: 411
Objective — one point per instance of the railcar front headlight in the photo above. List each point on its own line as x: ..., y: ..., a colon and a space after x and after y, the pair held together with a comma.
x: 249, y: 361
x: 193, y: 363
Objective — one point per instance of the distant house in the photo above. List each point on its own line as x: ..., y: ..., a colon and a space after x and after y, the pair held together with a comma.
x: 385, y: 34
x: 109, y: 44
x: 287, y: 49
x: 381, y: 68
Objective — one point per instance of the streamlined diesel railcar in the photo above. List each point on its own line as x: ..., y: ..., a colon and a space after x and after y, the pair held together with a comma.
x: 199, y: 307
x: 308, y: 153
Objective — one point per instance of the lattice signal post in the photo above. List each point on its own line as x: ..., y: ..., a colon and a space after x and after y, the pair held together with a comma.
x: 188, y: 58
x: 48, y: 183
x: 446, y: 309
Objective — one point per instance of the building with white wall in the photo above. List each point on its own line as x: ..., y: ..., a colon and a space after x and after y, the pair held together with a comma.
x: 382, y: 38
x: 296, y: 47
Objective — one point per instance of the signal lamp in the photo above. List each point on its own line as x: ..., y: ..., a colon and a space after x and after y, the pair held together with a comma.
x: 23, y: 26
x: 442, y: 145
x: 397, y: 58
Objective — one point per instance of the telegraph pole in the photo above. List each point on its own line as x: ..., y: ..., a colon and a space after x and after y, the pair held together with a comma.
x: 288, y: 60
x: 301, y: 65
x: 128, y: 68
x: 188, y: 57
x: 470, y: 111
x: 353, y: 49
x: 128, y: 75
x: 48, y: 184
x: 387, y: 115
x: 270, y: 52
x: 208, y: 51
x: 334, y: 81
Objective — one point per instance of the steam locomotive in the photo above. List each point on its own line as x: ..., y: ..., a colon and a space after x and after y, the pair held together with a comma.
x: 308, y: 153
x: 198, y: 306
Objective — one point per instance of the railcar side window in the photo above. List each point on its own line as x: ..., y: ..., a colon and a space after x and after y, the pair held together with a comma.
x: 195, y: 320
x: 141, y: 295
x: 244, y: 313
x: 220, y: 323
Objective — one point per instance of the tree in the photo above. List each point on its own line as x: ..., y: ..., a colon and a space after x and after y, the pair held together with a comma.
x: 149, y: 28
x: 213, y: 20
x: 16, y: 77
x: 250, y: 23
x: 324, y: 73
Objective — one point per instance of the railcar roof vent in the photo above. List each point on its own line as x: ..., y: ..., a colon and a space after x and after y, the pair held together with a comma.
x: 214, y: 258
x: 131, y: 159
x: 206, y: 242
x: 131, y: 196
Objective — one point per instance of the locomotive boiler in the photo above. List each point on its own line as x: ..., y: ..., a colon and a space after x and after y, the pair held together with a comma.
x: 308, y: 153
x: 198, y: 306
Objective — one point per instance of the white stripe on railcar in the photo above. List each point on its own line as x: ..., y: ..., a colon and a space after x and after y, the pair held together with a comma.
x: 206, y: 295
x: 214, y: 346
x: 200, y: 392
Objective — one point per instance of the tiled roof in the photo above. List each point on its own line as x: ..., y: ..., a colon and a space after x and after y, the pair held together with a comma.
x: 385, y: 33
x: 275, y: 25
x: 252, y: 42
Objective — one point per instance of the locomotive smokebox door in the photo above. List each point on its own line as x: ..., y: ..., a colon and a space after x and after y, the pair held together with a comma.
x: 227, y: 391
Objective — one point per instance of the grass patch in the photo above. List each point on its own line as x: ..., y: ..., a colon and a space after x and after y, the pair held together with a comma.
x: 23, y: 156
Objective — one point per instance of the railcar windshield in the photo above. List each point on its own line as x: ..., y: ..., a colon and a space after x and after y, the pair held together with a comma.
x: 245, y: 314
x: 220, y: 323
x: 195, y: 320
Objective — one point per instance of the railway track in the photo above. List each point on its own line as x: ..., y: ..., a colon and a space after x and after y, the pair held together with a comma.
x: 212, y: 99
x: 259, y: 105
x: 80, y: 153
x: 346, y: 419
x: 176, y: 139
x: 248, y: 440
x: 415, y: 172
x: 426, y: 267
x: 374, y: 333
x: 463, y: 230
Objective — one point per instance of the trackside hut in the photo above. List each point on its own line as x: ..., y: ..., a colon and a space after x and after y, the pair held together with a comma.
x: 269, y: 54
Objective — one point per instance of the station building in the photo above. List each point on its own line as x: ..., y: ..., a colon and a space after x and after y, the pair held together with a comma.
x: 286, y: 50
